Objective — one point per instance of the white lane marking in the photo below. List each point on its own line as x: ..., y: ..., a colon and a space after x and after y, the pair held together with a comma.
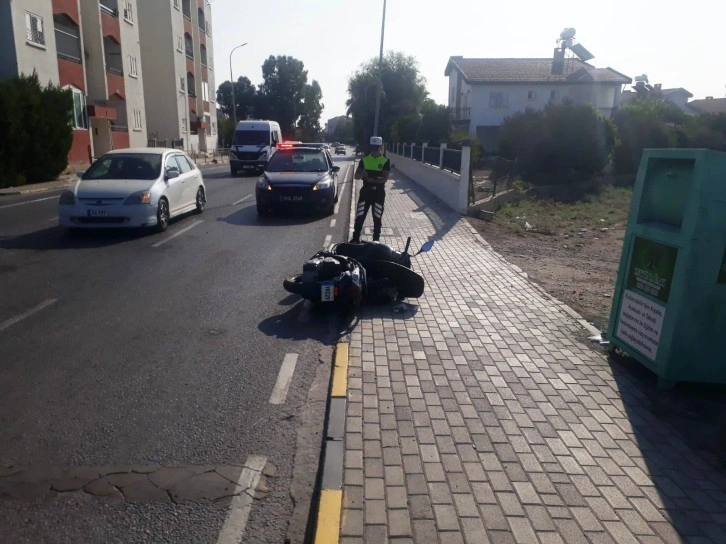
x: 177, y: 233
x: 333, y: 222
x: 29, y: 202
x: 284, y: 377
x: 328, y: 239
x: 34, y: 310
x: 239, y: 509
x: 241, y: 200
x: 342, y: 192
x: 52, y: 219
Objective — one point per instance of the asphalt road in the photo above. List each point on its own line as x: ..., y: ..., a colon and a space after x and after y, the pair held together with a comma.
x: 127, y: 348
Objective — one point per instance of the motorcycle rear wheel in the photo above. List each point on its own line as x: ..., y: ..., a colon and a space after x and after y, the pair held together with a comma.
x: 293, y: 285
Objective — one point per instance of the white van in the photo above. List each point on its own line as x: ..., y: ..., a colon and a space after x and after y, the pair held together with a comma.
x: 253, y: 144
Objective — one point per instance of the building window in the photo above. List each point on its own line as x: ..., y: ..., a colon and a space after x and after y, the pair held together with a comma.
x: 498, y: 99
x: 133, y: 67
x: 190, y: 85
x: 214, y: 127
x: 182, y: 84
x: 184, y: 125
x: 112, y: 55
x: 205, y: 91
x: 179, y: 43
x: 128, y: 11
x: 531, y: 95
x: 188, y: 45
x: 187, y: 8
x: 79, y: 109
x: 67, y: 38
x: 137, y: 119
x: 209, y: 28
x: 34, y: 32
x: 203, y: 54
x: 200, y: 16
x: 175, y: 3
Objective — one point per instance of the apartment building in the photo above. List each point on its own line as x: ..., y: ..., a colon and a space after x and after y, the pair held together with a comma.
x: 88, y: 46
x: 178, y: 54
x: 43, y: 36
x: 112, y: 55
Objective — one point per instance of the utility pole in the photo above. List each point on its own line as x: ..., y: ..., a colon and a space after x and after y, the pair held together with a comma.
x: 231, y: 80
x: 380, y: 72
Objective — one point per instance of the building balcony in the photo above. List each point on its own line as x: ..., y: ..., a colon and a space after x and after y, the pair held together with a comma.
x: 460, y: 114
x: 101, y: 112
x: 196, y: 126
x: 115, y: 82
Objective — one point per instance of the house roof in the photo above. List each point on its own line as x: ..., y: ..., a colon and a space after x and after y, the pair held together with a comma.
x: 666, y: 92
x: 708, y: 105
x: 531, y: 71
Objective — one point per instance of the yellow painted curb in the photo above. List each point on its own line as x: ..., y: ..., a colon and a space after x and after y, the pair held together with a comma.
x: 340, y: 371
x: 327, y: 530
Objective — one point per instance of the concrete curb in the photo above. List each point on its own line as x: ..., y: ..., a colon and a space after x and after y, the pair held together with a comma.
x: 328, y: 520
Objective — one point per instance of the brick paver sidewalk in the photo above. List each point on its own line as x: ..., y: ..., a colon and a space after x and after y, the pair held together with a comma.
x: 480, y: 415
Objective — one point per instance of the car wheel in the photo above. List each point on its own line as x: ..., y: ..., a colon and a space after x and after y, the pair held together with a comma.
x: 262, y: 211
x: 201, y: 200
x: 337, y: 194
x: 233, y: 172
x: 162, y: 215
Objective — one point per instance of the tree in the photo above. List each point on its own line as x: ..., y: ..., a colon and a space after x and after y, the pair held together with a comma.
x: 283, y: 90
x: 563, y: 143
x: 312, y: 110
x: 244, y: 95
x: 435, y: 122
x: 403, y: 93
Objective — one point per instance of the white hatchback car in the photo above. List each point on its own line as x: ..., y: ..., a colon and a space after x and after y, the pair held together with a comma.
x: 142, y: 187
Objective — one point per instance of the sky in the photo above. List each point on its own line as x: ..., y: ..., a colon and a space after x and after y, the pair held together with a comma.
x: 678, y: 45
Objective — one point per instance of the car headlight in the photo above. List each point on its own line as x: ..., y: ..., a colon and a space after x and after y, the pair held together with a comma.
x: 67, y: 198
x: 140, y: 197
x: 327, y: 183
x: 263, y: 184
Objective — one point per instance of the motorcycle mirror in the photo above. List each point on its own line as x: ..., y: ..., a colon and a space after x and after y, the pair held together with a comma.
x: 426, y: 247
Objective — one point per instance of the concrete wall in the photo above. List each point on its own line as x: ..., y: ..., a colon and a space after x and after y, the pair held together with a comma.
x: 94, y: 52
x: 444, y: 185
x: 213, y: 130
x: 134, y: 85
x: 27, y: 56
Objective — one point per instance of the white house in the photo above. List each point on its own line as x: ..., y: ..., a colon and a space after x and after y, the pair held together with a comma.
x: 484, y: 92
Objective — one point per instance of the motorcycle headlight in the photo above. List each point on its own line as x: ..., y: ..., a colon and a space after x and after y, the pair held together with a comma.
x: 263, y: 184
x: 140, y: 197
x: 327, y: 183
x: 67, y: 198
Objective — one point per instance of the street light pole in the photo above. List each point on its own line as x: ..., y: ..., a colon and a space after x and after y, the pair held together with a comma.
x: 380, y: 71
x: 231, y: 80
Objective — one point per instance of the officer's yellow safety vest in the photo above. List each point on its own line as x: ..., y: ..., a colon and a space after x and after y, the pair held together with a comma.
x: 374, y: 165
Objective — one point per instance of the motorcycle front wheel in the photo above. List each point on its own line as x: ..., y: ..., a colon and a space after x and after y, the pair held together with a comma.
x: 293, y: 285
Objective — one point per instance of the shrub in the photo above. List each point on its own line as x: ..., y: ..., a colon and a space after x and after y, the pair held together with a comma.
x: 39, y: 122
x: 560, y: 144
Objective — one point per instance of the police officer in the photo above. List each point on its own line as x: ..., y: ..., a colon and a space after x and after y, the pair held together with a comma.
x: 373, y: 169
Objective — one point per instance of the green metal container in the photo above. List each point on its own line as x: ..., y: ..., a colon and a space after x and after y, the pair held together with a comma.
x: 669, y: 306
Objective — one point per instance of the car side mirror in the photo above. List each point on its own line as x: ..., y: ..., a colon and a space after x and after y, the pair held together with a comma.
x: 172, y: 173
x: 336, y: 168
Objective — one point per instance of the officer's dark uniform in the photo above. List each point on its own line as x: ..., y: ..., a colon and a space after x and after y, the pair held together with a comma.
x: 371, y: 194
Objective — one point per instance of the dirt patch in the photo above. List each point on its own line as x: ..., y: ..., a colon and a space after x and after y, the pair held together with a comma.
x: 571, y: 250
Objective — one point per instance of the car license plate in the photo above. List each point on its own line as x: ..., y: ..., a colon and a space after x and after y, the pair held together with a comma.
x: 327, y: 291
x: 97, y: 213
x: 247, y: 166
x: 290, y: 198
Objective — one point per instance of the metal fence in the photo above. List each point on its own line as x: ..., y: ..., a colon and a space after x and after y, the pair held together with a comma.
x: 452, y: 160
x: 417, y: 152
x: 432, y: 155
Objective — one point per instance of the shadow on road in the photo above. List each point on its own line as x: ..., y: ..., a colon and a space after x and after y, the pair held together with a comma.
x: 249, y: 217
x: 681, y: 436
x: 289, y: 326
x: 59, y: 238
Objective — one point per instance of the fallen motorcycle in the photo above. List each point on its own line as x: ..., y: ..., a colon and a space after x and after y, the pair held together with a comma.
x: 354, y: 273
